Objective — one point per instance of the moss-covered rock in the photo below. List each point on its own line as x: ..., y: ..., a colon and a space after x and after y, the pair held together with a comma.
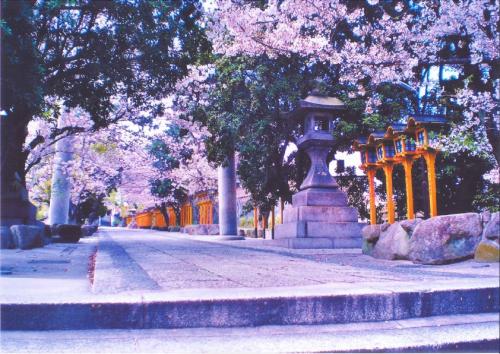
x: 446, y: 238
x: 487, y: 251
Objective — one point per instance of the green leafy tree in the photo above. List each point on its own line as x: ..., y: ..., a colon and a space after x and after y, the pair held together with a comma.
x: 248, y: 101
x: 163, y: 187
x: 170, y: 194
x: 113, y: 59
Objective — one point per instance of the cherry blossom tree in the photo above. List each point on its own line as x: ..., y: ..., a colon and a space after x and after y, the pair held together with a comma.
x: 89, y: 54
x: 119, y: 158
x: 372, y: 43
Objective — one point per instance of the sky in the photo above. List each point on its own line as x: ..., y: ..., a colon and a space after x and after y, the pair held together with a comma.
x: 350, y: 160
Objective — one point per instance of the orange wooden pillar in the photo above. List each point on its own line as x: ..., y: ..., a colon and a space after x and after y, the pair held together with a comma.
x: 184, y: 215
x: 407, y: 164
x: 430, y: 160
x: 371, y: 183
x: 388, y: 168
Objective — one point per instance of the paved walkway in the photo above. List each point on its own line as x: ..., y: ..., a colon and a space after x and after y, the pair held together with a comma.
x: 132, y: 262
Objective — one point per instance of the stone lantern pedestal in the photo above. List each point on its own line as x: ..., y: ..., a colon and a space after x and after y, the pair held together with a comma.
x: 319, y: 216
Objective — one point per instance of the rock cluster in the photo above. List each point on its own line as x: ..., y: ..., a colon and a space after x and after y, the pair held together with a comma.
x: 438, y: 240
x: 27, y: 236
x: 31, y: 236
x: 201, y: 229
x: 488, y: 249
x: 89, y: 230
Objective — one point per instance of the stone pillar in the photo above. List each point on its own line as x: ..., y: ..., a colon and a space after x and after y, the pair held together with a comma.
x: 61, y: 187
x: 228, y: 220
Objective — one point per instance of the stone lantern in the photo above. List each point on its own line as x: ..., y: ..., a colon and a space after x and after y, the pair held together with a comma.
x: 319, y: 216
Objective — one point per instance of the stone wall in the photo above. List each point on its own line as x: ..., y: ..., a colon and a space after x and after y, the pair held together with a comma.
x: 438, y: 240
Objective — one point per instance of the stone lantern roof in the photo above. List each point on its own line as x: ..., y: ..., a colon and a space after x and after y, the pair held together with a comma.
x: 317, y: 101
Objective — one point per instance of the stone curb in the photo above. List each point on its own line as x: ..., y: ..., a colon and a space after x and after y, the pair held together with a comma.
x: 243, y: 312
x: 471, y: 333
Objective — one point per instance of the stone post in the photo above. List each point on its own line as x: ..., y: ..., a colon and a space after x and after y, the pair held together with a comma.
x: 228, y: 220
x: 61, y: 187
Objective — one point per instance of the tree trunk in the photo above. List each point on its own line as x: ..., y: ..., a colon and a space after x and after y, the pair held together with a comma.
x: 13, y: 157
x: 15, y: 205
x: 177, y: 212
x: 164, y: 212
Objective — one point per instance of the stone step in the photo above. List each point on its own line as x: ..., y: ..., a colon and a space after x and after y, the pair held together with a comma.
x: 250, y: 308
x: 458, y: 333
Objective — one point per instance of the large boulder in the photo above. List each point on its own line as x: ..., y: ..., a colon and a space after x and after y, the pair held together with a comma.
x: 27, y: 236
x: 69, y: 233
x: 492, y: 228
x: 487, y: 251
x: 46, y: 234
x: 195, y: 229
x: 200, y: 229
x: 212, y: 229
x: 410, y: 225
x: 393, y: 243
x: 88, y: 230
x: 53, y: 229
x: 486, y: 217
x: 7, y: 240
x: 371, y: 234
x: 249, y: 233
x: 446, y: 238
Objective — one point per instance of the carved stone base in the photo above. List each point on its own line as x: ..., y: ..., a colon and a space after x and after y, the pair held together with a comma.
x: 319, y: 218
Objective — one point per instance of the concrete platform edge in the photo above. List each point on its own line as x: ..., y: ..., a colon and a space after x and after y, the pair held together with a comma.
x: 240, y: 312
